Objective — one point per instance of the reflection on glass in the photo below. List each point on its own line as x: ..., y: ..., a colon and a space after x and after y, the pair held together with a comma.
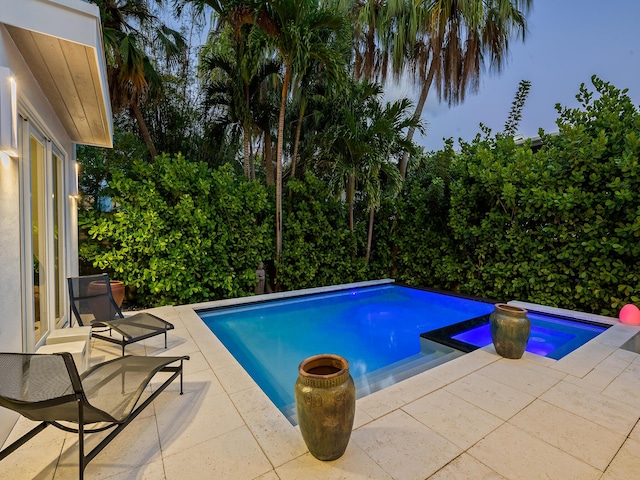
x: 58, y: 282
x: 37, y: 153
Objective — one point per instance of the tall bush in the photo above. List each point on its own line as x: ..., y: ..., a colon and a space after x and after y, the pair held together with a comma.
x: 422, y: 248
x: 318, y: 246
x: 181, y: 233
x: 560, y: 226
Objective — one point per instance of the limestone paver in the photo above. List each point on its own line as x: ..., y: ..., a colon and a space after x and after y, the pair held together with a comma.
x: 142, y: 447
x: 395, y: 396
x: 380, y: 403
x: 355, y: 464
x: 494, y: 397
x: 423, y: 451
x: 605, y: 411
x: 635, y: 433
x: 463, y: 366
x: 581, y: 363
x: 199, y: 418
x: 517, y: 455
x: 272, y: 475
x: 278, y: 439
x: 626, y: 463
x: 527, y: 377
x: 466, y: 467
x: 235, y: 454
x: 626, y: 386
x: 149, y: 471
x: 460, y: 422
x: 586, y: 440
x: 38, y: 462
x: 477, y: 417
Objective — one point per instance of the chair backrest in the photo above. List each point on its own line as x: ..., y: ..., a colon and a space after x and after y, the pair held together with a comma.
x: 40, y: 387
x: 91, y: 299
x: 48, y: 388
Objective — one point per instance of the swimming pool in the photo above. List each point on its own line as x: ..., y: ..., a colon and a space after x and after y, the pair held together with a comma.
x: 377, y: 329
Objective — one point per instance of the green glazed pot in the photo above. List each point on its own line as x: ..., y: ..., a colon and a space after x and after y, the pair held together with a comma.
x: 510, y: 329
x: 326, y: 403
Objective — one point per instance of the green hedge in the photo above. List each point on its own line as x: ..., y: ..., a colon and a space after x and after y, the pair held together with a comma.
x: 559, y: 226
x: 318, y: 248
x: 182, y: 233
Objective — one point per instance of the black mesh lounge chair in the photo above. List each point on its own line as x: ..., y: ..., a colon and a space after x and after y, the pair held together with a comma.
x: 92, y: 304
x: 48, y: 389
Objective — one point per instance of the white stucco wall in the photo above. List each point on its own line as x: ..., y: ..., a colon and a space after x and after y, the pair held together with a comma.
x: 36, y: 108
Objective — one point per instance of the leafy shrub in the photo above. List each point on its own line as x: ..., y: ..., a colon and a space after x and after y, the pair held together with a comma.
x: 561, y: 226
x: 318, y: 248
x: 182, y: 233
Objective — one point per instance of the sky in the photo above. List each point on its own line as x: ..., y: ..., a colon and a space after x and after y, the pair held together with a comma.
x: 567, y: 42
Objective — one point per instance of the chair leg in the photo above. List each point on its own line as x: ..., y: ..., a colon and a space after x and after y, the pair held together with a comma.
x: 22, y: 440
x: 81, y: 459
x: 181, y: 372
x: 165, y: 338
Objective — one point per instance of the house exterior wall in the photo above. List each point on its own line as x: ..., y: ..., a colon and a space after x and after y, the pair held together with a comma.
x: 16, y: 271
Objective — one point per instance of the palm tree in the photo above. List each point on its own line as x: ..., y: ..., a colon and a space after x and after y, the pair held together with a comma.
x: 233, y: 78
x: 454, y: 42
x: 392, y: 142
x: 358, y: 149
x: 130, y: 72
x: 313, y: 83
x: 298, y: 30
x: 376, y: 24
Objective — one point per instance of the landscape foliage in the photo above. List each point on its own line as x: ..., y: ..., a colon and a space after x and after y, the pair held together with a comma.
x: 559, y: 226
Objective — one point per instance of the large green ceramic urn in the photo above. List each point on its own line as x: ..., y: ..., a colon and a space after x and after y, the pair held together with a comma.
x: 510, y: 329
x: 325, y: 401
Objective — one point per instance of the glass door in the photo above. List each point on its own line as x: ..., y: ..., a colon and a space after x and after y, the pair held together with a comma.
x: 38, y: 186
x: 58, y: 237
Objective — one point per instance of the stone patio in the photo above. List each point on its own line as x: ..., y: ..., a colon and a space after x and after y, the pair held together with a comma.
x: 477, y: 417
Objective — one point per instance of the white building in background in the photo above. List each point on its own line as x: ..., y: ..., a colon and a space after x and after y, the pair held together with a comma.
x: 53, y: 94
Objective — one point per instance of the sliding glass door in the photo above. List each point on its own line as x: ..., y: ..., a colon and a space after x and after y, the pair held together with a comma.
x: 38, y: 185
x: 44, y: 230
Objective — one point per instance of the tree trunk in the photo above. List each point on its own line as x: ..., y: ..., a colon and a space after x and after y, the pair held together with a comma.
x: 246, y: 151
x: 247, y: 134
x: 351, y: 188
x: 369, y: 55
x: 279, y: 154
x: 370, y: 234
x: 426, y: 86
x: 268, y: 157
x: 296, y: 141
x: 144, y: 130
x: 252, y: 157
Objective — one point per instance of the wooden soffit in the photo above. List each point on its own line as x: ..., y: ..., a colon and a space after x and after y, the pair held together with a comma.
x: 61, y: 42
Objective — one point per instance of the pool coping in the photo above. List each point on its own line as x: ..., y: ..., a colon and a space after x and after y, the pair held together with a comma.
x: 267, y: 297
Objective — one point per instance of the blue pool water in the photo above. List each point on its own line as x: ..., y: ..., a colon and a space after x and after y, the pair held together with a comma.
x: 377, y: 329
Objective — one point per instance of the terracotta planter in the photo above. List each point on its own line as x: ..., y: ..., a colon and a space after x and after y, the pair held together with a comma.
x: 326, y: 403
x: 100, y: 306
x: 510, y: 330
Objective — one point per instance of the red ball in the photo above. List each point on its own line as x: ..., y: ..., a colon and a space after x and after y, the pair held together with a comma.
x: 630, y: 315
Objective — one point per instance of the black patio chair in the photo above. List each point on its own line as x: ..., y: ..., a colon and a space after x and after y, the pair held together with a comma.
x: 47, y: 388
x: 92, y: 304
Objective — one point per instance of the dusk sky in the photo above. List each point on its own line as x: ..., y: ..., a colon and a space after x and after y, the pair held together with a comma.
x: 567, y: 42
